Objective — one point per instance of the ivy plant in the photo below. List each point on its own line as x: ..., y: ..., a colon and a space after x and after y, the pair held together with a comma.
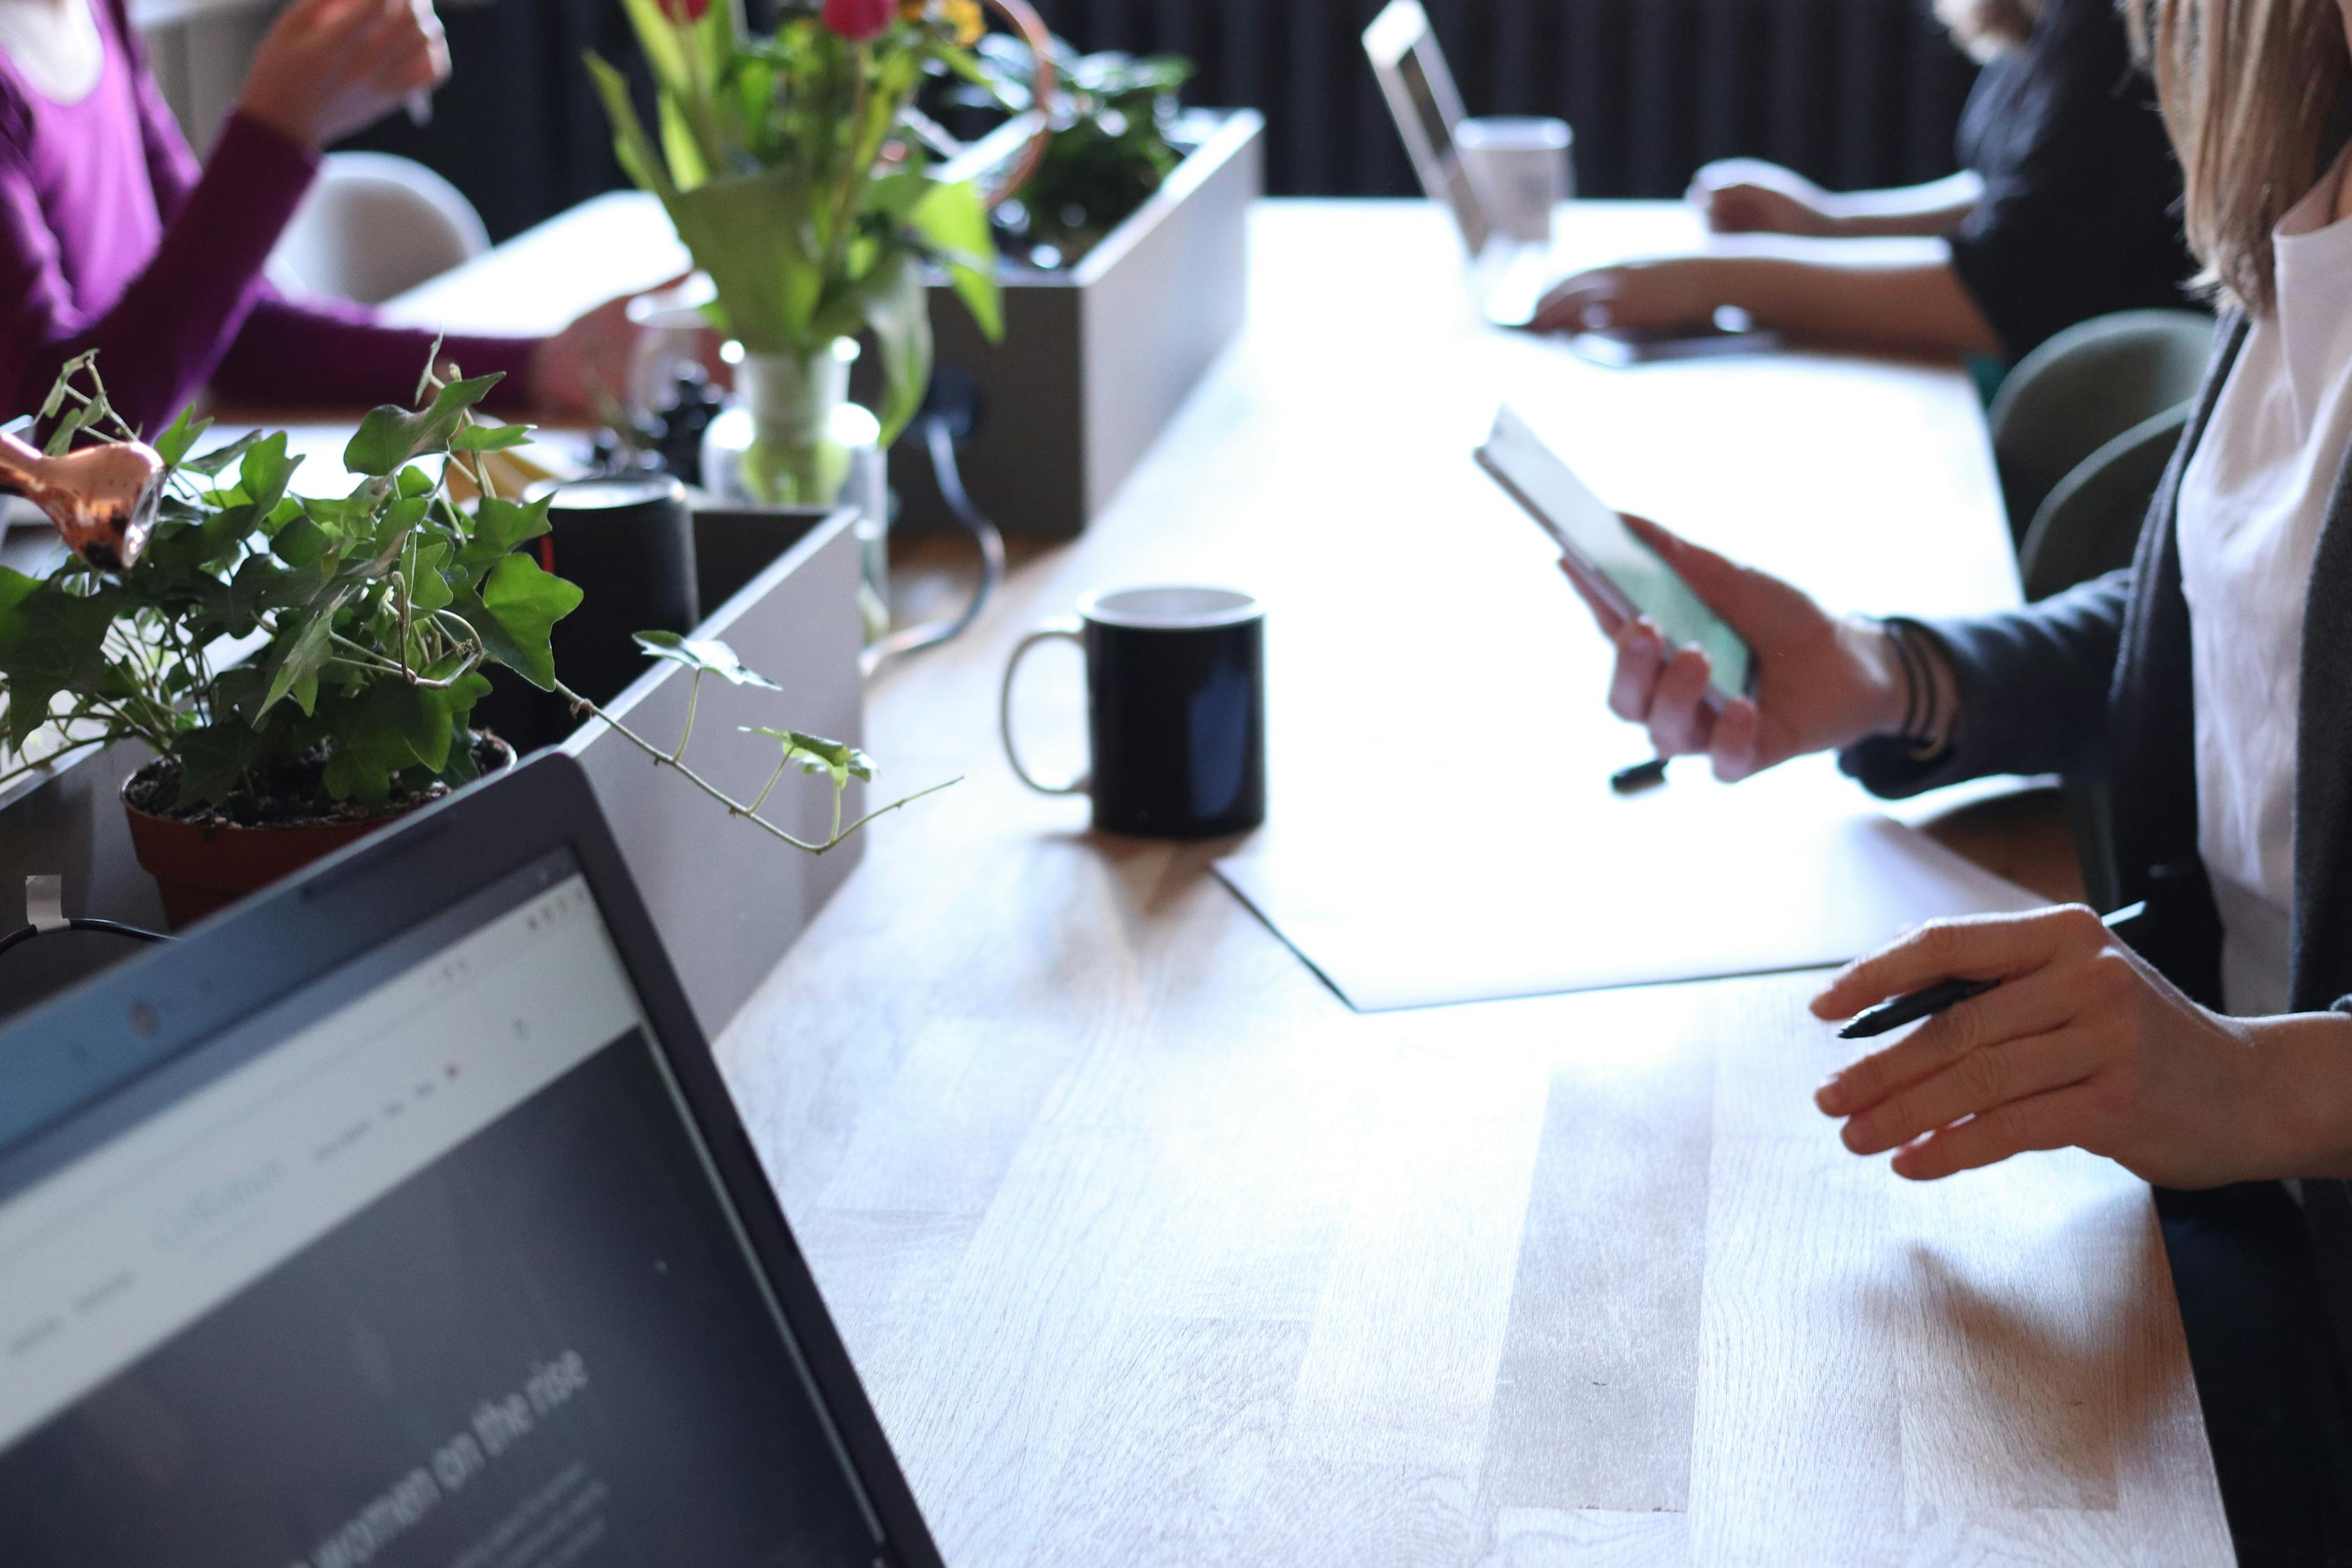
x: 265, y: 634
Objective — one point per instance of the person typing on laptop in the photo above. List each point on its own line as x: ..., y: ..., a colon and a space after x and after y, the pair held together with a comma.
x: 2064, y: 211
x: 2210, y: 680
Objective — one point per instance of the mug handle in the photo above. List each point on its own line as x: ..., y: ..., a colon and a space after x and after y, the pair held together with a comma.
x: 1070, y: 631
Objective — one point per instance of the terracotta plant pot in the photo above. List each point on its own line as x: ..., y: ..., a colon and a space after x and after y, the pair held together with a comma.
x: 202, y: 867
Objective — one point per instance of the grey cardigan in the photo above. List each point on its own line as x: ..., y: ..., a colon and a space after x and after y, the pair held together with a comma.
x: 2095, y: 683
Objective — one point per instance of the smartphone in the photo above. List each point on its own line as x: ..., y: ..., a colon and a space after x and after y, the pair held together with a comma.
x: 1633, y: 576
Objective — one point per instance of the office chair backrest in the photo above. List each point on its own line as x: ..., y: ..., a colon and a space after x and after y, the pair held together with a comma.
x: 374, y: 226
x: 2084, y: 388
x: 2090, y: 520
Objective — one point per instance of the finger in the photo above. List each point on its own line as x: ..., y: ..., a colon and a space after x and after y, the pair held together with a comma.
x: 1679, y: 720
x: 1973, y: 947
x: 1573, y: 305
x: 2053, y: 1121
x: 1641, y: 657
x: 1976, y: 1085
x: 1596, y: 599
x: 2018, y: 1010
x: 1737, y: 735
x: 1716, y: 579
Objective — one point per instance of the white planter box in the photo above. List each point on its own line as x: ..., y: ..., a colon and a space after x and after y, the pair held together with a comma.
x: 727, y: 898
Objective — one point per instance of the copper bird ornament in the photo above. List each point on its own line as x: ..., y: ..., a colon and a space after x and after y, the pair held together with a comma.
x: 102, y: 498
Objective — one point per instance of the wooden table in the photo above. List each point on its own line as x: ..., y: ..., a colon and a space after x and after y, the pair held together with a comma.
x: 1151, y: 1251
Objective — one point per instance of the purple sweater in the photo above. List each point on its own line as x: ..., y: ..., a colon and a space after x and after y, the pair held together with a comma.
x: 112, y: 238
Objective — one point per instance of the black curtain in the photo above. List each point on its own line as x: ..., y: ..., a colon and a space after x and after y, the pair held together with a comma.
x: 1853, y: 93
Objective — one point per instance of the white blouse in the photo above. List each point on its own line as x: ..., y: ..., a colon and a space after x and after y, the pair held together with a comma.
x: 2252, y: 502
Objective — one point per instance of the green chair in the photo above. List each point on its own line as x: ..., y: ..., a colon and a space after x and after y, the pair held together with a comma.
x: 2089, y: 526
x: 2084, y: 388
x: 2090, y: 523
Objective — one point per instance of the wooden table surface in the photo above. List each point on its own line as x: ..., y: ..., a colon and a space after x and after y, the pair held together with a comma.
x: 1150, y: 1251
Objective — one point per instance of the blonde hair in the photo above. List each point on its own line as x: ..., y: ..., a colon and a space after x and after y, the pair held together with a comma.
x: 1988, y: 28
x: 2248, y: 89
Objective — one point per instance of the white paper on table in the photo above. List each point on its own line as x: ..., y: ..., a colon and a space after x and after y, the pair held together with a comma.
x: 1681, y: 884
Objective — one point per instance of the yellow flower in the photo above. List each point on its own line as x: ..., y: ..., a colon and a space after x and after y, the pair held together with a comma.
x: 964, y: 17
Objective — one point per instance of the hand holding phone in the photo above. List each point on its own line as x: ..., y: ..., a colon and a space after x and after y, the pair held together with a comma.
x: 1713, y: 657
x: 1611, y: 562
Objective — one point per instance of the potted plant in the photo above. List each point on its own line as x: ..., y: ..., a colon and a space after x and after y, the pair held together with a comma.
x: 303, y: 668
x: 1124, y: 277
x: 1116, y: 139
x: 787, y: 165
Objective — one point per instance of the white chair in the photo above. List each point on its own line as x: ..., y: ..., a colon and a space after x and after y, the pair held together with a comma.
x: 374, y: 226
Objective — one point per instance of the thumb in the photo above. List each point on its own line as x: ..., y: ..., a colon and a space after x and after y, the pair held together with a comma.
x: 1718, y: 581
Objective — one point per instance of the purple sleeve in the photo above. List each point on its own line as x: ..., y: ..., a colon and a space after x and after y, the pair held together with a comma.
x: 328, y: 354
x: 160, y: 341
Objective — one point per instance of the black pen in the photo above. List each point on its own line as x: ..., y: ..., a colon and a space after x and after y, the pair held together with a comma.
x: 1930, y: 1000
x: 1639, y: 777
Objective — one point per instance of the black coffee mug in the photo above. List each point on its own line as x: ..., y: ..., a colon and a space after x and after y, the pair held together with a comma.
x: 1176, y: 710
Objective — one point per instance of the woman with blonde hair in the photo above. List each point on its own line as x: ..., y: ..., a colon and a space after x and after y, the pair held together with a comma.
x: 2063, y: 211
x: 2211, y: 1054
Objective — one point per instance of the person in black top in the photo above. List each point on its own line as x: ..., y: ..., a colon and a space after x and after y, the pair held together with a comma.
x: 2066, y: 208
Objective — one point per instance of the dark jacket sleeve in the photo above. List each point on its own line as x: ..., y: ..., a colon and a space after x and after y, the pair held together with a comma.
x: 2079, y: 216
x: 2033, y: 688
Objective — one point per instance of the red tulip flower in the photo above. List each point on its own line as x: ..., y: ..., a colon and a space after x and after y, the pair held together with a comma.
x: 685, y: 13
x: 859, y: 21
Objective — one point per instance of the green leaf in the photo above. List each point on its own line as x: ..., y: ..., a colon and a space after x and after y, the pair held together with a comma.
x: 61, y: 438
x: 631, y: 145
x: 489, y: 437
x: 389, y: 436
x: 186, y: 430
x: 899, y: 310
x: 517, y: 606
x: 376, y: 735
x: 211, y: 463
x: 953, y: 220
x: 498, y: 526
x: 294, y: 668
x: 214, y: 758
x: 429, y: 589
x: 709, y: 656
x: 414, y: 481
x: 819, y: 755
x: 263, y: 473
x: 261, y: 585
x: 50, y: 641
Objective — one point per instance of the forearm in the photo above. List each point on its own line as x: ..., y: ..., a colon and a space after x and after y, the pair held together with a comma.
x: 160, y: 341
x: 325, y: 355
x: 1936, y: 209
x: 1911, y: 302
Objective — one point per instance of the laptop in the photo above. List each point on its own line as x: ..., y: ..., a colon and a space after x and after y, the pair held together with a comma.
x: 1509, y: 275
x: 399, y: 1217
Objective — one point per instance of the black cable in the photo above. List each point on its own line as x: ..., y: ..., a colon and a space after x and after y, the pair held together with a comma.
x: 938, y: 436
x: 23, y: 934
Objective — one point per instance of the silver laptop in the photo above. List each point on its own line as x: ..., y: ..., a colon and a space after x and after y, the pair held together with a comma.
x: 1509, y: 274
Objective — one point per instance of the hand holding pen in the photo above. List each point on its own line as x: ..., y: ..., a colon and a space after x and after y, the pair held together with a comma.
x: 2069, y: 1038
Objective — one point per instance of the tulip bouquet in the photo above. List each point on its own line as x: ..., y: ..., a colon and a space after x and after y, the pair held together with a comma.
x: 787, y: 165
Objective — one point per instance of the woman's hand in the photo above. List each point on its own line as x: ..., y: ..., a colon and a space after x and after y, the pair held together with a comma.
x: 582, y: 373
x: 1822, y: 682
x: 1668, y: 293
x: 1748, y: 195
x: 329, y: 67
x: 2083, y: 1044
x: 585, y: 373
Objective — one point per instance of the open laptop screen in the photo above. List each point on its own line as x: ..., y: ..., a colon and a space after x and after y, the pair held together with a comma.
x: 428, y: 1265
